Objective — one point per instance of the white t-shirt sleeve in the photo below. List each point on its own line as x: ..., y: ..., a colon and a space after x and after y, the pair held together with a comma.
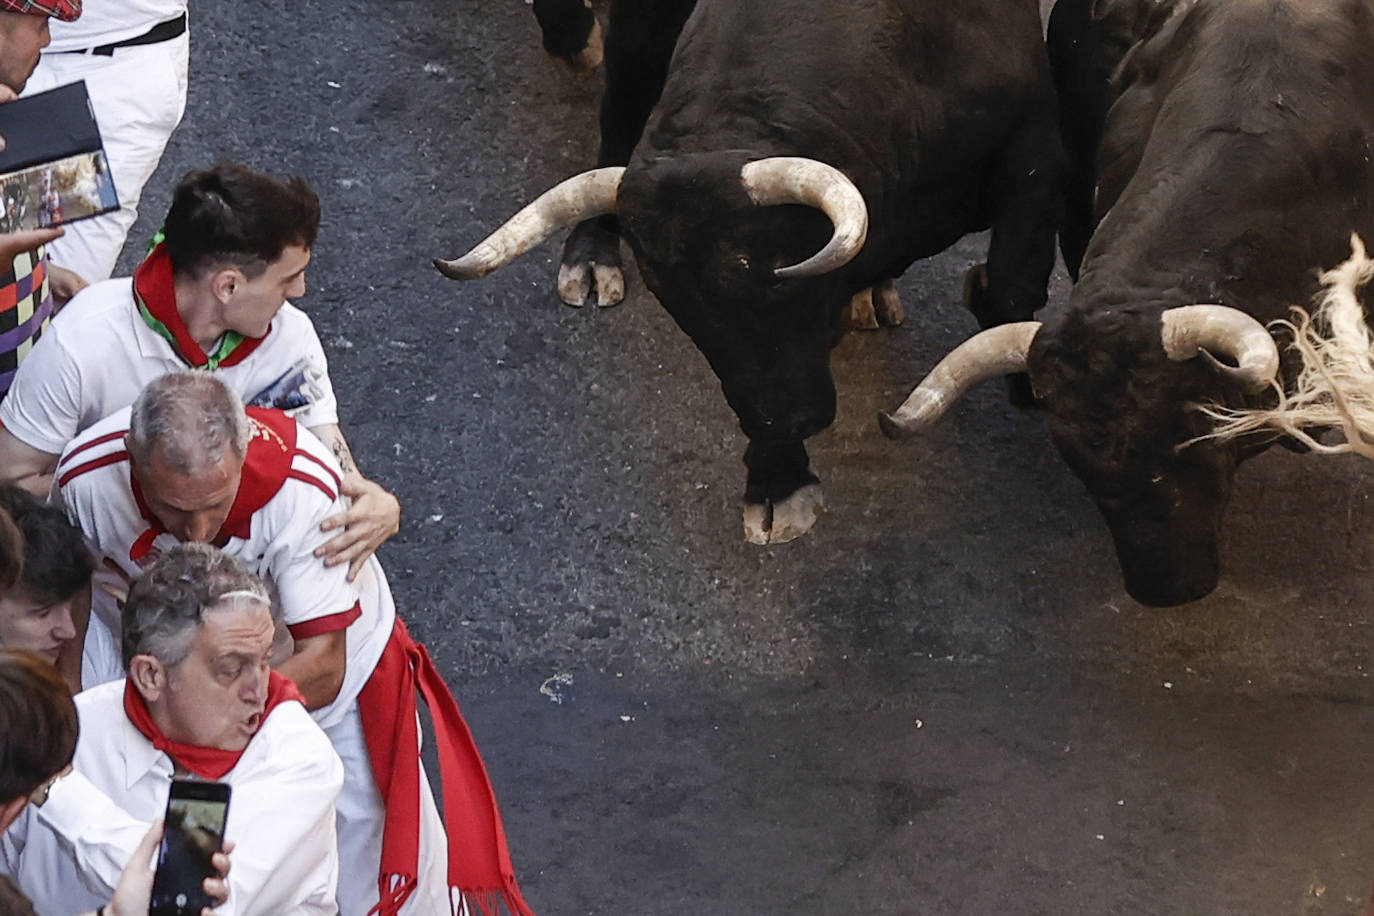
x: 43, y: 406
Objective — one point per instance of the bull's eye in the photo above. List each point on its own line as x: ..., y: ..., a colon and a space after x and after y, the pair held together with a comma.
x: 742, y: 261
x: 1157, y: 478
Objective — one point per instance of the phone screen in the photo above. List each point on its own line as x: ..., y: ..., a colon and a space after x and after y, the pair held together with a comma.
x: 194, y: 832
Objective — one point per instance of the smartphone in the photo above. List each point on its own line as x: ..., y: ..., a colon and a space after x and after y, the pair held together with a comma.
x: 193, y: 832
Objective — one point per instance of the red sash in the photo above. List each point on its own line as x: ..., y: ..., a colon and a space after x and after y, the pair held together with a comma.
x: 478, y: 858
x: 205, y: 762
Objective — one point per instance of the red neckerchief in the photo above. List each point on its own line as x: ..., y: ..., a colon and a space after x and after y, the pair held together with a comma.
x: 155, y: 295
x: 479, y: 864
x: 266, y: 466
x: 205, y: 762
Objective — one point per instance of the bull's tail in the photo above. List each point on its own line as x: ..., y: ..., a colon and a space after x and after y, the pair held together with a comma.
x: 1335, y: 388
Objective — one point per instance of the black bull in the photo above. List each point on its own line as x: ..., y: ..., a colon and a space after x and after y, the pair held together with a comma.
x: 939, y: 117
x: 1229, y: 144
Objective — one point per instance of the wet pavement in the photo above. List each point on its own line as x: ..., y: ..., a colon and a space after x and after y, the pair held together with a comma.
x: 940, y: 701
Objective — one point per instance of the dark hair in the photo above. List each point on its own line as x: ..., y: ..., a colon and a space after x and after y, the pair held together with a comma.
x: 38, y: 725
x: 230, y: 215
x: 11, y: 552
x: 169, y: 600
x: 57, y: 562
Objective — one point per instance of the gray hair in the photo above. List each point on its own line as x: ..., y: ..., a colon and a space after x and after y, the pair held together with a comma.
x: 190, y: 418
x: 169, y: 600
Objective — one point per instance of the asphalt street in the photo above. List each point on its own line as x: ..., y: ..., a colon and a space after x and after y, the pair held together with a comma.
x: 940, y: 701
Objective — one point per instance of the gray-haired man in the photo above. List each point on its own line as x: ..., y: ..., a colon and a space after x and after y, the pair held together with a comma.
x: 200, y: 699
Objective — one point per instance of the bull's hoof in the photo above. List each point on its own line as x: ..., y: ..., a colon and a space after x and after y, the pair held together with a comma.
x: 878, y: 306
x: 585, y: 62
x: 859, y: 314
x: 601, y: 284
x: 887, y: 305
x: 780, y: 522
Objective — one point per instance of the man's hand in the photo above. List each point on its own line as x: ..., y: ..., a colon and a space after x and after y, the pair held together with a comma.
x: 16, y: 243
x: 373, y: 516
x: 64, y: 284
x: 135, y: 890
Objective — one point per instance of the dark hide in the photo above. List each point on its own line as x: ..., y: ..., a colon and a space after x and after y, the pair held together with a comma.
x: 566, y: 25
x: 942, y: 114
x: 1233, y: 164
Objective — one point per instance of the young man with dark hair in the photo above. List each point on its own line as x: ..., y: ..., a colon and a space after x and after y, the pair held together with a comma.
x: 211, y: 296
x: 39, y: 611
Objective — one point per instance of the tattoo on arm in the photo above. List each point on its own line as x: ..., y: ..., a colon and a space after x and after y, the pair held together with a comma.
x: 345, y: 458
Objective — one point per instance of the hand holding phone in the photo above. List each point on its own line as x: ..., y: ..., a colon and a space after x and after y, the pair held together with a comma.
x: 193, y: 833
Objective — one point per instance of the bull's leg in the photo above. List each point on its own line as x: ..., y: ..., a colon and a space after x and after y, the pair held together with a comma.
x: 640, y: 36
x: 782, y: 498
x: 1014, y: 283
x: 571, y: 33
x: 877, y: 306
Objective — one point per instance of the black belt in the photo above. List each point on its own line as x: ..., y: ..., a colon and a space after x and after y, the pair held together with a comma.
x: 163, y: 31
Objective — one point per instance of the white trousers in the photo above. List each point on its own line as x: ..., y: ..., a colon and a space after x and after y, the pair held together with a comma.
x: 361, y: 818
x: 138, y: 95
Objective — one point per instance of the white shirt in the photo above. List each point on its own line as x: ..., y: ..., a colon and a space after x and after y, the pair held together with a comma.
x: 101, y: 656
x: 98, y: 353
x: 67, y: 855
x: 92, y: 483
x: 104, y: 22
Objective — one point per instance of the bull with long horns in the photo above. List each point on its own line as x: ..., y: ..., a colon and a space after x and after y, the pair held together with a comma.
x: 802, y: 154
x: 1231, y: 163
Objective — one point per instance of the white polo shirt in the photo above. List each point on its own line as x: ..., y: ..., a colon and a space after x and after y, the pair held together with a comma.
x: 104, y: 22
x: 275, y: 538
x: 98, y: 353
x: 67, y: 855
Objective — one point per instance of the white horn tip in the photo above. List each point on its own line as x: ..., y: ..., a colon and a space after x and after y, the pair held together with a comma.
x: 461, y: 269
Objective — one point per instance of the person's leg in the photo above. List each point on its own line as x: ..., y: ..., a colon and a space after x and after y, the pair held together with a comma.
x: 138, y: 95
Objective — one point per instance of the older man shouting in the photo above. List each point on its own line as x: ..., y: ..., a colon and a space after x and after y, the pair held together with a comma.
x: 187, y: 463
x: 200, y: 700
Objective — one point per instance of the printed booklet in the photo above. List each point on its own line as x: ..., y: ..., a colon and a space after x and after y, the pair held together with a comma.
x: 53, y: 168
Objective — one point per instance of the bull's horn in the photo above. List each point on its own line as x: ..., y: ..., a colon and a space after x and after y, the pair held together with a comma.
x: 1000, y: 350
x: 580, y: 197
x: 797, y: 180
x: 1189, y: 330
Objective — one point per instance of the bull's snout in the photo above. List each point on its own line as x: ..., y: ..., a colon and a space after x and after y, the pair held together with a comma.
x: 1163, y: 572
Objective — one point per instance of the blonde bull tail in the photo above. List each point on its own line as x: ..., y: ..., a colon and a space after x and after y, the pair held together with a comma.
x: 1335, y: 388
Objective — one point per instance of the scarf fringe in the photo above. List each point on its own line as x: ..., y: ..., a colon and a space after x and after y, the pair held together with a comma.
x: 392, y: 893
x: 395, y: 890
x: 493, y: 903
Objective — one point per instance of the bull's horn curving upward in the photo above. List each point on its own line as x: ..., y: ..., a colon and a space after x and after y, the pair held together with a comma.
x: 1189, y: 330
x: 580, y: 197
x: 1000, y: 350
x: 797, y: 180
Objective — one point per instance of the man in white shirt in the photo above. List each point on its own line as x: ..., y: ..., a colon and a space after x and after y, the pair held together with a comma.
x: 212, y: 296
x: 145, y: 479
x: 133, y: 56
x: 200, y: 699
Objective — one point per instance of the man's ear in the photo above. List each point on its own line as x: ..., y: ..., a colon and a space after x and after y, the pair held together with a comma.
x: 148, y: 677
x: 9, y: 811
x: 225, y: 282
